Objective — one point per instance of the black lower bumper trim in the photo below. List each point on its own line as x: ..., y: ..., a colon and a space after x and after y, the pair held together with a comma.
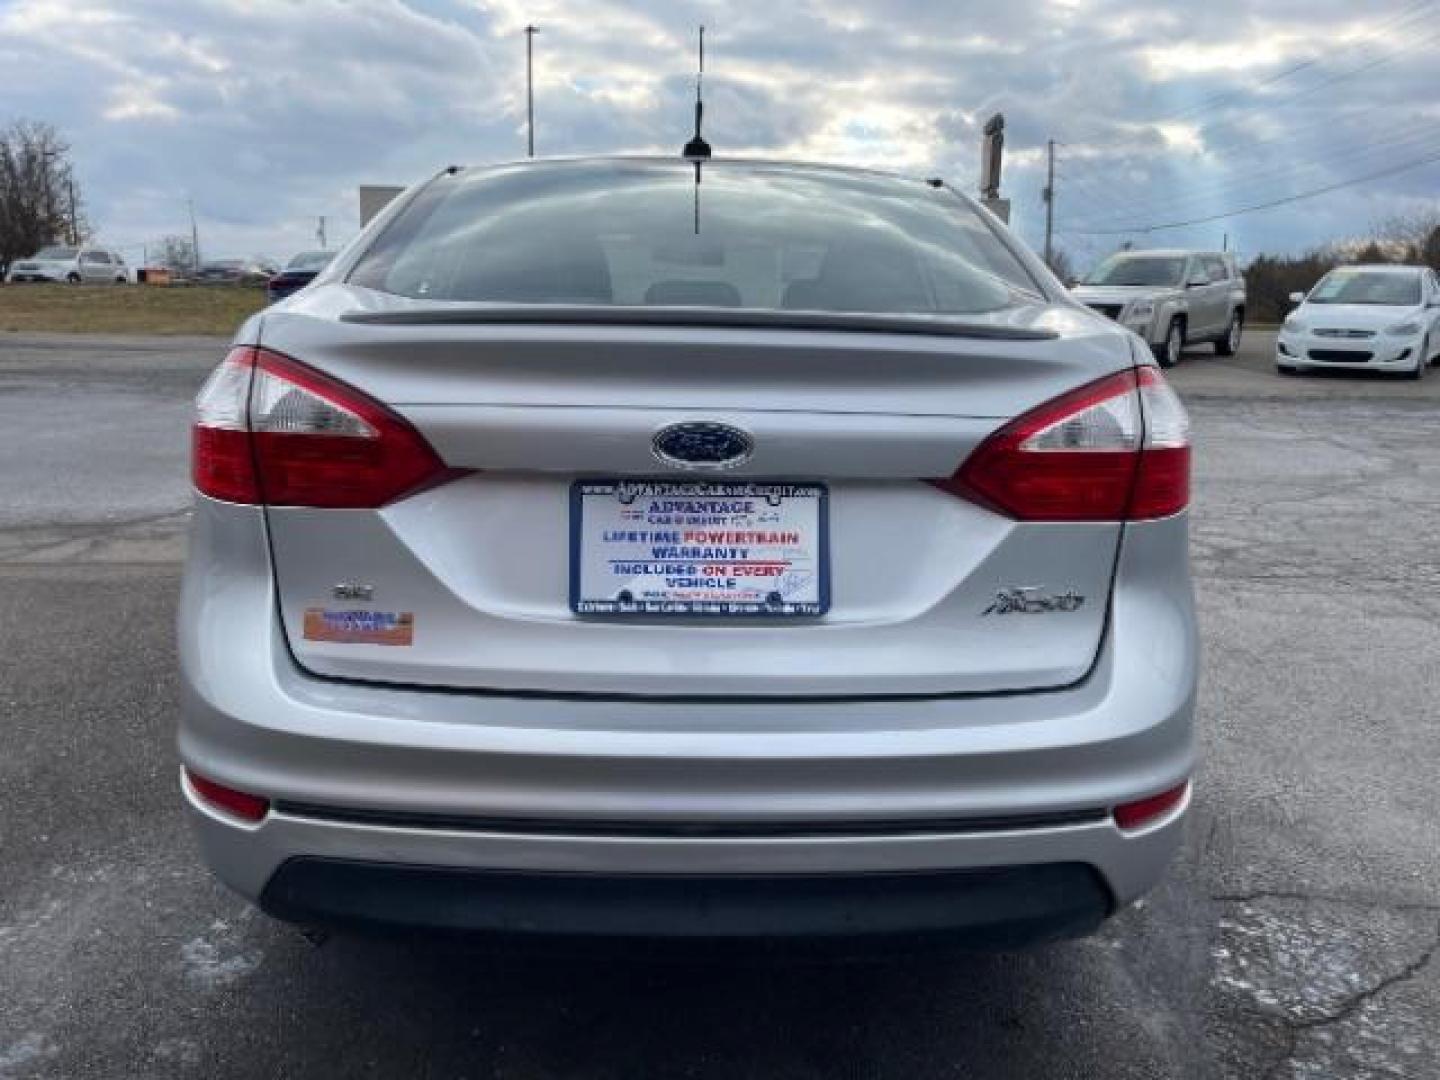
x: 532, y: 826
x: 998, y: 908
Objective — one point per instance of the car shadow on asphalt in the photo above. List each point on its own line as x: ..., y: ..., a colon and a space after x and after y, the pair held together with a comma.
x: 464, y: 1008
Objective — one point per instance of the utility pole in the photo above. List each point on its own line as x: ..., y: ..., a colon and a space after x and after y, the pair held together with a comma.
x: 530, y: 32
x: 320, y: 232
x: 49, y: 156
x: 1049, y: 198
x: 74, y: 220
x: 194, y: 239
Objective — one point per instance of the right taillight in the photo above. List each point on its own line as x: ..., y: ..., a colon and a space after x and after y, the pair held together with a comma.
x: 1117, y: 449
x: 268, y: 429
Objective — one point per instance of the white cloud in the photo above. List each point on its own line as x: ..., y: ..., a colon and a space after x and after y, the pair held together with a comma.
x: 270, y: 113
x: 138, y: 102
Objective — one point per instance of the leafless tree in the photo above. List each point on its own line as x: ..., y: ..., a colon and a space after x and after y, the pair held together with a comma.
x: 39, y: 199
x: 175, y: 253
x: 1414, y: 236
x: 1061, y: 266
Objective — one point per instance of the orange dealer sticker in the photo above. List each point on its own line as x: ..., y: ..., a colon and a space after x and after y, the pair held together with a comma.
x: 360, y: 627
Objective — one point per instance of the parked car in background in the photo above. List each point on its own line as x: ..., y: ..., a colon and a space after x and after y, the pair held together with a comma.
x: 1171, y: 298
x: 235, y: 272
x: 298, y: 273
x: 1379, y: 318
x: 75, y: 265
x: 578, y: 557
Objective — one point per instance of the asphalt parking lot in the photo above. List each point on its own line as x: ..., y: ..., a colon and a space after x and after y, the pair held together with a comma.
x: 1295, y: 938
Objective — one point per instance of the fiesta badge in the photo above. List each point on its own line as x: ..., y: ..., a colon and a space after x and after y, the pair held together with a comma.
x: 702, y: 444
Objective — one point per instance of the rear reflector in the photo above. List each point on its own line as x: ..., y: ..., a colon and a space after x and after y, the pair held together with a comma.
x: 1114, y: 450
x: 1133, y: 815
x: 269, y: 429
x: 235, y: 803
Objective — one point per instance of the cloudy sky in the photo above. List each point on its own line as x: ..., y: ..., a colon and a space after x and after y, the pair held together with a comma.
x: 268, y: 114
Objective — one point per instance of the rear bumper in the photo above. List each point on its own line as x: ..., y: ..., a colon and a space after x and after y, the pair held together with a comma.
x: 405, y: 782
x: 1005, y: 907
x: 1010, y: 886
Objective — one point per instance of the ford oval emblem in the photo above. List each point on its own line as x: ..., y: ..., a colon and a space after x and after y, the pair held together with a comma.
x: 702, y: 445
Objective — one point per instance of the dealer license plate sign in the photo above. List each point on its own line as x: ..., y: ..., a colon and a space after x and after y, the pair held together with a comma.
x: 698, y: 548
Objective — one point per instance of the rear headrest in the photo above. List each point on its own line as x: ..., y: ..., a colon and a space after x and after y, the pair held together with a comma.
x: 862, y: 277
x: 529, y: 271
x: 803, y: 295
x: 693, y: 294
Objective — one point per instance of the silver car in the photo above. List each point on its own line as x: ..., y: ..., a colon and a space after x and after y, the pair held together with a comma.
x: 1171, y: 298
x: 73, y: 266
x: 631, y: 547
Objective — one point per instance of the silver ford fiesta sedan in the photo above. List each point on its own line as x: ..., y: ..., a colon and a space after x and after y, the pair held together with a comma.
x: 643, y: 548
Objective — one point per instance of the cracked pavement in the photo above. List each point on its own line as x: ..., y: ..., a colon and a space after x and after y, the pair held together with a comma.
x: 1295, y: 939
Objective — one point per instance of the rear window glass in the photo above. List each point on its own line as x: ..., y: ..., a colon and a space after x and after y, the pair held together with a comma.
x: 646, y: 234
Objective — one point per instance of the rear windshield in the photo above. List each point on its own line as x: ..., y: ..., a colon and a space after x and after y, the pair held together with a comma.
x: 1383, y: 287
x: 60, y: 253
x: 646, y: 234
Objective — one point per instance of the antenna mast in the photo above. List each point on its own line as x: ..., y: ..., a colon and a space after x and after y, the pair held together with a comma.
x: 530, y: 32
x: 697, y: 148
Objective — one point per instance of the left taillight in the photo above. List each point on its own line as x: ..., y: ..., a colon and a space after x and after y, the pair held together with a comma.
x: 269, y: 429
x: 221, y: 464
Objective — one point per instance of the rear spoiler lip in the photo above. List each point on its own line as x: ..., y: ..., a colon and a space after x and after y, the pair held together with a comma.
x: 699, y: 318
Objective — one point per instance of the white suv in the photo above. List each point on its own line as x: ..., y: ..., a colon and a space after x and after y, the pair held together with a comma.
x: 75, y: 265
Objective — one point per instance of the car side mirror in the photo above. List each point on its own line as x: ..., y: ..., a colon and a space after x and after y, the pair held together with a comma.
x: 1297, y: 298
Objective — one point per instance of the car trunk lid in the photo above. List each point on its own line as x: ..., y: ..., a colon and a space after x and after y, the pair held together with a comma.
x: 468, y: 584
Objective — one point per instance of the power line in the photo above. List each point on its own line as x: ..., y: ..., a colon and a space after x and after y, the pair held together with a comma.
x: 1084, y: 194
x: 1300, y: 94
x: 1410, y: 13
x: 1243, y: 187
x: 1237, y: 212
x: 1290, y: 134
x: 1166, y: 195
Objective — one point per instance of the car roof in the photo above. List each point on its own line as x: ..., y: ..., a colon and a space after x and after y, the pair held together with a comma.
x: 1176, y: 253
x: 1383, y: 268
x: 798, y: 165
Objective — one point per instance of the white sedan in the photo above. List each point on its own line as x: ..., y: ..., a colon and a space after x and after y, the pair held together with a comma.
x: 1379, y: 318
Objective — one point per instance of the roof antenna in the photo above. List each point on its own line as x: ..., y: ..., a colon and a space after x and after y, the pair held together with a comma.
x: 697, y: 149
